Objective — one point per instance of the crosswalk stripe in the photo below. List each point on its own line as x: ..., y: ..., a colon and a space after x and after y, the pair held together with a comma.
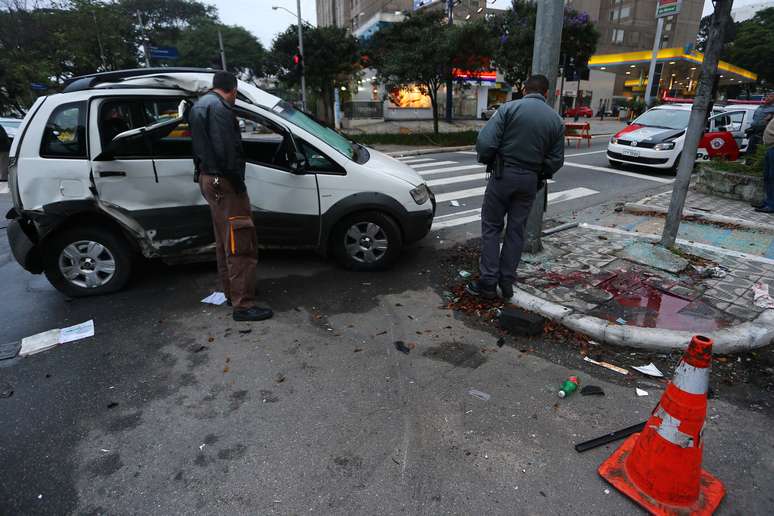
x: 460, y: 194
x: 620, y: 172
x: 425, y: 173
x: 474, y: 153
x: 584, y: 153
x: 457, y: 179
x: 417, y: 160
x: 468, y: 216
x: 4, y: 188
x: 437, y: 163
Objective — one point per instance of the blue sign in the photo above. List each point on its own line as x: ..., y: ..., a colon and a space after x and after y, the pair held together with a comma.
x: 418, y: 4
x: 39, y: 86
x: 163, y: 52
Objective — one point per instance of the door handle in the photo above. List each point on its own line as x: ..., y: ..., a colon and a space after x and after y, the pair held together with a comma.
x: 112, y: 173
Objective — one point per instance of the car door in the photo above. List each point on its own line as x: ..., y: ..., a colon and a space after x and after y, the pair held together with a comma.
x: 718, y: 141
x: 735, y: 125
x: 286, y: 202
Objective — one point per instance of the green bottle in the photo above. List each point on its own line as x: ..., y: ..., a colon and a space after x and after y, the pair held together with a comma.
x: 570, y: 386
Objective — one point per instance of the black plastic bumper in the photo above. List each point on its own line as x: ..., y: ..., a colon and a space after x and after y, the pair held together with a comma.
x: 23, y: 248
x: 417, y: 225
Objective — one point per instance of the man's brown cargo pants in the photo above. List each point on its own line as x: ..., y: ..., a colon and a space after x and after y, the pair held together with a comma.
x: 236, y: 242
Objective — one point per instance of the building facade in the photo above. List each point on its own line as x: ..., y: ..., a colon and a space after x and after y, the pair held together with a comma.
x: 334, y: 13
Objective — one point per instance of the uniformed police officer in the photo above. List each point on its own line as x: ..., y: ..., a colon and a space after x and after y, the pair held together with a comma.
x: 527, y: 137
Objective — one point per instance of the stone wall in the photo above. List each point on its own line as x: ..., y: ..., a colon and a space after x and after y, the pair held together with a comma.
x: 740, y: 187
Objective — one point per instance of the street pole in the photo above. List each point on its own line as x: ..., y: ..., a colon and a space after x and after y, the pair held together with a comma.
x: 222, y: 52
x: 301, y: 53
x: 653, y: 60
x: 698, y: 119
x: 449, y: 82
x: 145, y: 49
x: 99, y: 42
x: 545, y: 61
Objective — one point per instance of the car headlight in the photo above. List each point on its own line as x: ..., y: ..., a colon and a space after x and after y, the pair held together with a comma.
x: 420, y: 194
x: 664, y: 146
x: 613, y: 140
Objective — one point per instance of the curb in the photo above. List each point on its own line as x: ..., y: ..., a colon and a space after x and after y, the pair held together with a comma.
x: 419, y: 152
x: 743, y: 337
x: 636, y: 207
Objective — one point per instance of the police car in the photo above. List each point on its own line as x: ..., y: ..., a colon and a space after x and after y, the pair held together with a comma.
x: 655, y: 139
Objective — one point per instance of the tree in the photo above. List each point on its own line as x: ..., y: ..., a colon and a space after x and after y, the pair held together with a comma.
x: 752, y: 48
x: 331, y: 59
x: 197, y: 46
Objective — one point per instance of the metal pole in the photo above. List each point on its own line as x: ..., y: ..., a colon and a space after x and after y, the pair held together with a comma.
x: 99, y: 42
x: 145, y: 49
x: 698, y: 119
x: 301, y: 53
x: 545, y: 60
x: 222, y: 52
x: 653, y: 60
x: 449, y: 82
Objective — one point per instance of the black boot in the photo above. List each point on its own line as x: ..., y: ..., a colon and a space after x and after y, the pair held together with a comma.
x: 506, y: 291
x: 477, y: 289
x: 255, y: 313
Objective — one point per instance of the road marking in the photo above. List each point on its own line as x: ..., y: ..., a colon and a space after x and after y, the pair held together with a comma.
x: 619, y: 172
x: 457, y: 179
x: 468, y: 216
x: 585, y: 153
x: 474, y: 153
x: 417, y: 160
x: 425, y: 173
x: 4, y: 188
x: 460, y: 194
x: 437, y: 163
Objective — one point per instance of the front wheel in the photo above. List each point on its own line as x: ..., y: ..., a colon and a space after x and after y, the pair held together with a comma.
x: 88, y: 261
x: 615, y: 164
x: 367, y: 241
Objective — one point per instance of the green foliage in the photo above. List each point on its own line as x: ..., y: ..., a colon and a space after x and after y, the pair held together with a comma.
x: 753, y: 46
x: 418, y: 139
x: 751, y: 165
x: 198, y: 46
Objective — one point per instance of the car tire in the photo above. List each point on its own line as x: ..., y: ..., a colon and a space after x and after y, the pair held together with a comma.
x: 676, y: 165
x: 354, y: 241
x: 88, y: 261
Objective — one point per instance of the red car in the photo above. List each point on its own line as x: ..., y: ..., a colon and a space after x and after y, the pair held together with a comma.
x: 579, y: 111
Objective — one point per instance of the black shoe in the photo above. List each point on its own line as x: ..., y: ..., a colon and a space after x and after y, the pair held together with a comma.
x: 758, y: 205
x: 255, y: 313
x: 764, y: 209
x: 478, y: 290
x: 228, y: 301
x: 506, y: 291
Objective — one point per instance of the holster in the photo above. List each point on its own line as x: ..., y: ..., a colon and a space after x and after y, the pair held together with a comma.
x: 495, y: 167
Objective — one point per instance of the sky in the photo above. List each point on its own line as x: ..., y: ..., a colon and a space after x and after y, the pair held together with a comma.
x: 258, y: 17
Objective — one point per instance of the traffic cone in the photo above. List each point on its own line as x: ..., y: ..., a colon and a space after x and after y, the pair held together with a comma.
x: 660, y: 468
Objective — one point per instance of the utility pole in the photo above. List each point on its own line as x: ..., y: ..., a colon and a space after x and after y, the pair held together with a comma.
x: 222, y: 52
x: 545, y: 61
x: 698, y: 119
x: 99, y: 42
x: 652, y: 89
x: 145, y: 46
x: 301, y: 52
x: 449, y: 82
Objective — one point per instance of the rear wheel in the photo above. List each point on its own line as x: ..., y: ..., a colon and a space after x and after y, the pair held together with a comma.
x: 367, y: 241
x: 88, y: 261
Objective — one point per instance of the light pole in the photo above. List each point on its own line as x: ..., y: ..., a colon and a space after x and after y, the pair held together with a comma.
x: 300, y: 48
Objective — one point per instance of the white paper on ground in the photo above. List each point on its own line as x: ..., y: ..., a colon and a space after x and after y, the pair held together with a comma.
x: 761, y: 297
x: 640, y: 392
x: 216, y: 298
x: 77, y: 332
x: 650, y: 370
x: 455, y: 203
x: 39, y: 342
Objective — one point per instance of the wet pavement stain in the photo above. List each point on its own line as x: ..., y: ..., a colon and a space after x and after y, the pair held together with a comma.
x: 456, y: 354
x: 235, y: 452
x: 105, y: 466
x: 126, y: 422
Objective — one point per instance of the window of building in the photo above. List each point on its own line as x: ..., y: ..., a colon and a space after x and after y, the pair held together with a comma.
x: 617, y: 36
x: 65, y: 133
x: 667, y: 27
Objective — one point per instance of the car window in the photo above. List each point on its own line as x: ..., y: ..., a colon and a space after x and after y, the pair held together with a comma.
x: 65, y: 132
x: 177, y: 143
x: 118, y: 116
x: 264, y: 143
x: 319, y: 162
x: 666, y: 118
x: 326, y: 134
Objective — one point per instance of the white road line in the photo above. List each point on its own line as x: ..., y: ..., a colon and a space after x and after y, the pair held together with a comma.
x: 4, y: 188
x: 474, y: 153
x: 457, y: 179
x: 468, y: 216
x: 619, y: 172
x: 460, y: 194
x: 437, y: 163
x: 417, y: 160
x: 425, y: 173
x: 585, y: 153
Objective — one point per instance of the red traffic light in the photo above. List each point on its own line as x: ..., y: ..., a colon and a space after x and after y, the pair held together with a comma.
x: 296, y: 59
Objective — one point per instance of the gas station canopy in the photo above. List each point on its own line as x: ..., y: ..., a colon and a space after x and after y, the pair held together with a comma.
x: 680, y: 71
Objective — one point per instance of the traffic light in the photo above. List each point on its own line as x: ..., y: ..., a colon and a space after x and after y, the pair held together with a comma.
x: 298, y: 61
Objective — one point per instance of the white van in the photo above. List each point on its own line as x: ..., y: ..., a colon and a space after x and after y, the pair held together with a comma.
x: 103, y: 173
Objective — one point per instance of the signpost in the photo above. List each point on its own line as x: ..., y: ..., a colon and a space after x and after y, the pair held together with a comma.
x: 163, y: 53
x: 667, y: 7
x: 664, y: 8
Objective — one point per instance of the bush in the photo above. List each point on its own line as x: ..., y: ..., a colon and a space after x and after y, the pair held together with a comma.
x: 751, y: 165
x: 418, y: 139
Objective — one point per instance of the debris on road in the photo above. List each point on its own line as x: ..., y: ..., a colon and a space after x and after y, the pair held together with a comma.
x: 501, y: 342
x: 216, y: 298
x: 465, y: 274
x: 454, y: 203
x: 6, y: 390
x: 592, y: 390
x: 201, y: 446
x: 9, y: 350
x: 245, y: 332
x: 570, y: 385
x: 650, y: 370
x: 606, y: 365
x: 609, y: 438
x: 621, y: 320
x: 640, y: 392
x: 761, y: 297
x: 710, y: 271
x: 480, y: 395
x: 401, y: 346
x: 112, y: 405
x: 51, y: 338
x: 279, y: 378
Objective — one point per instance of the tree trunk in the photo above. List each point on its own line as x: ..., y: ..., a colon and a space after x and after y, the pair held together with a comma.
x: 434, y: 103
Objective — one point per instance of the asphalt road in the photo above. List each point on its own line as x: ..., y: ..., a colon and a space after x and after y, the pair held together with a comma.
x: 173, y: 408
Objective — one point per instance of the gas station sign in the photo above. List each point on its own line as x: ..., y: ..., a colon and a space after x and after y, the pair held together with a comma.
x: 667, y: 8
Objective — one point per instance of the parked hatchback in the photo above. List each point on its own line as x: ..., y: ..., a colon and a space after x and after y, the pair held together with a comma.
x: 102, y: 174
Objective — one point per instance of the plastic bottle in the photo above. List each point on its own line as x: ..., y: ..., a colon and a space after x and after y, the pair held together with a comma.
x: 570, y: 386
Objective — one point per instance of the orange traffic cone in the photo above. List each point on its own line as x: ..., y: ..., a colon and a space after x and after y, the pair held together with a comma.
x: 660, y: 468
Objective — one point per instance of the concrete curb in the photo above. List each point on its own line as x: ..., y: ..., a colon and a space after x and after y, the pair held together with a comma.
x: 743, y: 337
x: 436, y: 150
x: 635, y: 207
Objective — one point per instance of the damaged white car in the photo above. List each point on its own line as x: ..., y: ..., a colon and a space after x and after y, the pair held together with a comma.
x: 103, y: 173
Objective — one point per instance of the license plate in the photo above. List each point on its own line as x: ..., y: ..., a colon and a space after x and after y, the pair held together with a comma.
x: 632, y: 153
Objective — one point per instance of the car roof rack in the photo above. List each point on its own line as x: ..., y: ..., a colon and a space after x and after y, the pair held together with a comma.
x: 85, y: 82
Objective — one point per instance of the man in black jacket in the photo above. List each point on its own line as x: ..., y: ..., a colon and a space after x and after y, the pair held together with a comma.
x: 220, y: 169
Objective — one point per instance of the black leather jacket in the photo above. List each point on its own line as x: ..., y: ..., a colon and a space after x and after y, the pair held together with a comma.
x: 217, y: 140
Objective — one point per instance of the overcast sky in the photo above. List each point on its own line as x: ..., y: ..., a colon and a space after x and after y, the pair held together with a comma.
x: 258, y: 17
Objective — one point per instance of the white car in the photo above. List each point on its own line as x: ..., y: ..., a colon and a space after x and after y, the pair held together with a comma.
x: 11, y: 126
x: 655, y: 139
x: 741, y: 120
x: 103, y: 172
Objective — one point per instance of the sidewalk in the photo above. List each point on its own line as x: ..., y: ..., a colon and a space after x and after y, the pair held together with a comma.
x: 607, y: 279
x: 599, y: 128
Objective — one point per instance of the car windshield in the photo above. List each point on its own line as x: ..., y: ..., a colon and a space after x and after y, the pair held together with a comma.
x: 326, y: 134
x: 666, y: 118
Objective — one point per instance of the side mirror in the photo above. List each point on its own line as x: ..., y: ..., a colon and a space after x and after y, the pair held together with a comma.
x: 299, y: 164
